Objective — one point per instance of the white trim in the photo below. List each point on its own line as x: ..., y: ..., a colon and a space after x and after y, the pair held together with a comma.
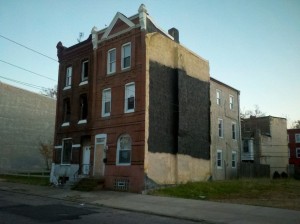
x: 231, y: 103
x: 82, y: 70
x: 76, y: 146
x: 104, y: 153
x: 82, y: 121
x: 219, y: 100
x: 84, y: 83
x: 113, y: 22
x: 122, y: 56
x: 65, y: 124
x: 67, y: 87
x: 58, y: 147
x: 126, y: 110
x: 118, y: 150
x: 109, y: 62
x: 222, y: 128
x: 103, y: 114
x: 296, y: 138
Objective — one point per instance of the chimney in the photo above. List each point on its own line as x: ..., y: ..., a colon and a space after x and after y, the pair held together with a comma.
x: 174, y: 33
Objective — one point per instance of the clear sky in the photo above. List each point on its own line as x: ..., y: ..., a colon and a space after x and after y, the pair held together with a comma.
x: 251, y: 45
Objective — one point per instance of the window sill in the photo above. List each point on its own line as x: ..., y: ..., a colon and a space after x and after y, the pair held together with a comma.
x: 82, y: 122
x: 65, y: 164
x: 65, y: 124
x: 67, y: 87
x: 125, y: 69
x: 128, y: 111
x: 83, y: 83
x: 105, y: 115
x: 123, y: 164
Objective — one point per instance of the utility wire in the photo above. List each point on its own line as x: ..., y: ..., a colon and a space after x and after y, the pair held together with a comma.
x: 24, y: 83
x: 28, y: 70
x: 28, y: 48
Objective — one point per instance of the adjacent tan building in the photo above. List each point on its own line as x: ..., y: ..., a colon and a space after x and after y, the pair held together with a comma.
x: 225, y: 130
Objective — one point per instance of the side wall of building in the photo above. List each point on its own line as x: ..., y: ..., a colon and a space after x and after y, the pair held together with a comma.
x: 177, y: 113
x: 26, y: 120
x: 226, y: 144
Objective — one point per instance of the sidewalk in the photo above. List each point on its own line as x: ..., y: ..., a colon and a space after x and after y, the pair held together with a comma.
x: 196, y: 210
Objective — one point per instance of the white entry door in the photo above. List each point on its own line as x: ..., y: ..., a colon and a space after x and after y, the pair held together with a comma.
x: 86, y: 160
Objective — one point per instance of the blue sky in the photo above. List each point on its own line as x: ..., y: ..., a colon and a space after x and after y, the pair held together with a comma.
x: 254, y: 46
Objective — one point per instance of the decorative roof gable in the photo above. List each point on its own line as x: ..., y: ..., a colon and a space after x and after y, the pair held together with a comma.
x: 119, y: 21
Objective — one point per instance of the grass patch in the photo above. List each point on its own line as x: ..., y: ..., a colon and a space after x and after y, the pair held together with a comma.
x: 264, y: 192
x: 42, y: 181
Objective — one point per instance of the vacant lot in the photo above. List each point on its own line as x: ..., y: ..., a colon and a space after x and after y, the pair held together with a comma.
x: 283, y: 193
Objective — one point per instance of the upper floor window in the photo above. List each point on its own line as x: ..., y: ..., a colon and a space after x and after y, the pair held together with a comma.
x: 126, y: 56
x: 83, y: 107
x: 218, y: 93
x: 219, y: 159
x: 111, y: 61
x: 129, y: 97
x: 231, y: 102
x: 106, y: 102
x: 124, y: 150
x: 233, y: 128
x: 68, y: 76
x: 297, y: 138
x: 66, y: 110
x: 85, y: 70
x: 220, y: 128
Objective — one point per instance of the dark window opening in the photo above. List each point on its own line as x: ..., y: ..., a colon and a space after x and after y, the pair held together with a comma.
x: 130, y: 103
x: 85, y: 71
x: 83, y: 107
x: 67, y: 110
x: 66, y: 151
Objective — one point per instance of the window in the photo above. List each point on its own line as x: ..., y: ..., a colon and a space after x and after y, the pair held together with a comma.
x: 220, y: 128
x: 219, y: 159
x: 83, y: 107
x: 297, y: 138
x: 66, y: 151
x: 129, y: 97
x: 68, y: 76
x: 111, y: 61
x: 85, y: 70
x: 298, y: 152
x: 246, y: 146
x: 231, y: 101
x: 124, y: 150
x: 66, y: 110
x: 126, y: 55
x: 106, y: 102
x: 233, y: 128
x: 218, y: 97
x: 233, y: 159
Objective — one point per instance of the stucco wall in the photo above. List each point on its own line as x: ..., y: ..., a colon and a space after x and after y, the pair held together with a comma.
x: 226, y: 143
x: 177, y: 113
x: 26, y: 119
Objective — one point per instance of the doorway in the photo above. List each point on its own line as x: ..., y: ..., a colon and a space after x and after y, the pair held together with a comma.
x: 99, y: 155
x: 86, y: 153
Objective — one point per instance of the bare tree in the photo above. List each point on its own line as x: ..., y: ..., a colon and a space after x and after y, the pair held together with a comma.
x: 296, y: 124
x: 255, y: 112
x: 46, y: 150
x: 51, y: 92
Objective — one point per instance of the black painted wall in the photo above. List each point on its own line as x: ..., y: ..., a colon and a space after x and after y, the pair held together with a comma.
x: 179, y: 113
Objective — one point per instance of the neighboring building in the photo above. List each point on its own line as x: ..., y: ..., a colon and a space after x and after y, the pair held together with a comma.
x: 26, y: 120
x: 133, y: 107
x: 225, y: 130
x: 294, y: 146
x: 265, y: 142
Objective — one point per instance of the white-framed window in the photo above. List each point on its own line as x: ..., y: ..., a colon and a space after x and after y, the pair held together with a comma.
x: 66, y: 154
x: 126, y: 56
x: 233, y: 130
x: 231, y: 102
x: 233, y: 159
x: 111, y: 61
x: 129, y: 97
x: 246, y: 145
x: 297, y: 152
x: 84, y: 70
x: 219, y: 159
x: 68, y: 76
x: 106, y: 102
x: 220, y: 128
x: 218, y: 94
x: 124, y: 150
x: 297, y: 138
